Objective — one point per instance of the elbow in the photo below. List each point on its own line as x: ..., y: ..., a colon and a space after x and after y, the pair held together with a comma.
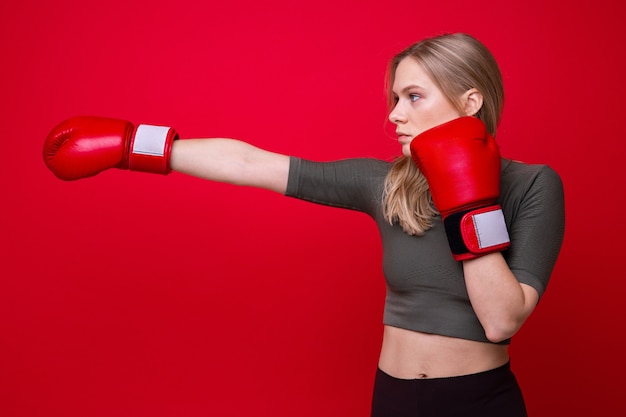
x: 503, y: 325
x: 500, y: 331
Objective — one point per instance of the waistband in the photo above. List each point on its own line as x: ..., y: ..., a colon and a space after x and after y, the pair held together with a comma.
x: 496, y: 373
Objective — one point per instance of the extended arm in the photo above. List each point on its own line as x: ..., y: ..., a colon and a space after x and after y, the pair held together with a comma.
x: 84, y: 146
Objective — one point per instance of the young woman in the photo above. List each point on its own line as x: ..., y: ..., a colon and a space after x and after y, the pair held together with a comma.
x: 470, y: 239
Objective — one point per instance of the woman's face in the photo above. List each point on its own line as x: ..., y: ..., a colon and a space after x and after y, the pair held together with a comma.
x: 420, y: 104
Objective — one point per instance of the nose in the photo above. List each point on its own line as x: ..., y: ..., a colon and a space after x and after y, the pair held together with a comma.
x: 397, y: 116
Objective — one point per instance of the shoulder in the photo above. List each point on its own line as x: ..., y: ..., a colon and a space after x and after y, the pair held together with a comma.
x: 516, y: 169
x: 530, y: 188
x: 522, y: 177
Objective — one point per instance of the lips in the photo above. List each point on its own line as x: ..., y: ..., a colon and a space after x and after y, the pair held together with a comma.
x: 403, y: 138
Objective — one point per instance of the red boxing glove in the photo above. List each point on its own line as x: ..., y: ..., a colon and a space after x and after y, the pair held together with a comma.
x: 84, y: 146
x: 461, y: 163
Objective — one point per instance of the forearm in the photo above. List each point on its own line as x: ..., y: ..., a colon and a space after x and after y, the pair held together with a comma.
x: 231, y: 161
x: 501, y: 303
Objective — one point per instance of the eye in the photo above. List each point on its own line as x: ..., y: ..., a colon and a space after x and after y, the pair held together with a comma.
x: 414, y: 97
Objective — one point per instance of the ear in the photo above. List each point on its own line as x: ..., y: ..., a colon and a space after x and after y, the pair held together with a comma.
x: 472, y: 101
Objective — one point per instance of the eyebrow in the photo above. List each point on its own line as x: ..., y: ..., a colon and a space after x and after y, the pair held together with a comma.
x: 410, y: 87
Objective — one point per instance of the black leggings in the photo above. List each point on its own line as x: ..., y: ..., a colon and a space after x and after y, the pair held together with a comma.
x: 492, y: 393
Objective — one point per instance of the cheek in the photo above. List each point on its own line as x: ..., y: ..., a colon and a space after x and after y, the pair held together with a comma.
x: 437, y: 119
x: 435, y: 112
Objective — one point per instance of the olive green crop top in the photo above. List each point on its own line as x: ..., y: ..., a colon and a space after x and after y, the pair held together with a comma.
x: 425, y: 286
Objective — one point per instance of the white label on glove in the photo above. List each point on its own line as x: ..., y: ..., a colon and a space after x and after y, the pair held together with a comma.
x: 490, y: 229
x: 150, y: 140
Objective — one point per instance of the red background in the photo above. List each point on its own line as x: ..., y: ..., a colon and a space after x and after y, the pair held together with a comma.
x: 131, y: 294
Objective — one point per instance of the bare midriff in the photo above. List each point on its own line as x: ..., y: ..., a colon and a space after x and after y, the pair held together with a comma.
x: 406, y: 354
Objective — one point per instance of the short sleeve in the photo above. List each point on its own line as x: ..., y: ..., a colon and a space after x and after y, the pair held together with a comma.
x: 355, y: 184
x: 534, y: 205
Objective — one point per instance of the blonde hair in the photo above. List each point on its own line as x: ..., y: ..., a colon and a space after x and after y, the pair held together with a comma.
x: 456, y: 63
